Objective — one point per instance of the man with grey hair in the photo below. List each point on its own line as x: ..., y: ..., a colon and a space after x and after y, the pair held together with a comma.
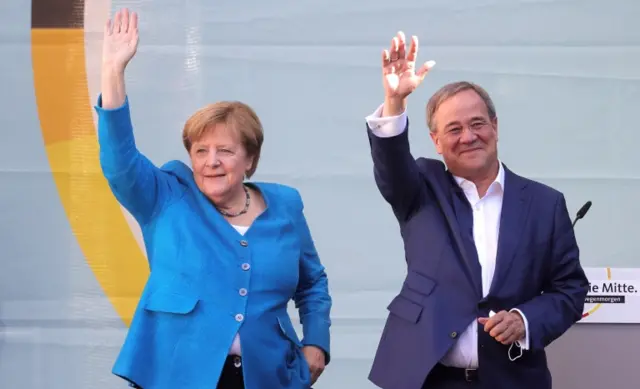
x: 493, y: 270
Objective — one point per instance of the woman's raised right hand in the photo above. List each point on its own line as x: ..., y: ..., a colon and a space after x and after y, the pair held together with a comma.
x: 120, y: 40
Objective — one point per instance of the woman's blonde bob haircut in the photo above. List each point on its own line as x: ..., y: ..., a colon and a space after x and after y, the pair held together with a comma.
x: 238, y: 118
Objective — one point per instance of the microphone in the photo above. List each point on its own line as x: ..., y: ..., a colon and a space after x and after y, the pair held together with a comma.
x: 583, y: 211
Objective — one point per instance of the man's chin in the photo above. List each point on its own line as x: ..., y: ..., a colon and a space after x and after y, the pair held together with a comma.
x: 473, y: 155
x: 469, y: 167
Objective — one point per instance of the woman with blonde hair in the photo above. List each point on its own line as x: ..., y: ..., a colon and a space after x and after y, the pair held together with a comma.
x: 225, y: 255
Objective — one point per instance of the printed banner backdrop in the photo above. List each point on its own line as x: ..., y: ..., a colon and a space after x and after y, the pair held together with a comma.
x: 73, y: 262
x: 613, y: 295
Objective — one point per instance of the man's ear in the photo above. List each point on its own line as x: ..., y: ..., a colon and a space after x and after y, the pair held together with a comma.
x: 436, y: 141
x: 494, y: 122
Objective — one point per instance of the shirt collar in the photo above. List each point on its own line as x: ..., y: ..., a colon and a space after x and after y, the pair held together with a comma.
x: 498, y: 181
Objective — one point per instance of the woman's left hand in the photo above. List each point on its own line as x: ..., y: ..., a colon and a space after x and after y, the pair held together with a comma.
x: 315, y: 360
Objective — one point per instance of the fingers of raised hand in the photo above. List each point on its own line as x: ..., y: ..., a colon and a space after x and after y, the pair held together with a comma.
x: 117, y: 23
x: 398, y: 52
x: 393, y: 49
x: 386, y: 58
x: 122, y: 22
x: 412, y: 54
x: 124, y: 26
x: 391, y: 58
x: 133, y: 21
x: 402, y: 45
x: 397, y: 48
x: 424, y: 69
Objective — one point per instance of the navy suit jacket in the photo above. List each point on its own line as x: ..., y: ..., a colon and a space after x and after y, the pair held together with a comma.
x: 537, y: 271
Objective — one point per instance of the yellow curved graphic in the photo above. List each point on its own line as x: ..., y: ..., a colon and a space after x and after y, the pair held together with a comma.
x: 597, y: 306
x: 65, y: 113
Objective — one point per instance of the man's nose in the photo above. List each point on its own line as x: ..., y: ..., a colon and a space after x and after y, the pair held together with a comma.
x: 468, y: 136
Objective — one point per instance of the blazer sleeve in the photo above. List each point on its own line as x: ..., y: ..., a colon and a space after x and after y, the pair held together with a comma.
x: 396, y: 172
x: 562, y: 302
x: 312, y: 297
x: 140, y: 186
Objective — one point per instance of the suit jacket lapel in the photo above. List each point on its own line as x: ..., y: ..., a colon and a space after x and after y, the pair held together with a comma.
x: 445, y: 192
x: 515, y: 209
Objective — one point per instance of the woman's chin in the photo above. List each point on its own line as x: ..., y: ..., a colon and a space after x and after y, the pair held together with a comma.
x: 214, y: 192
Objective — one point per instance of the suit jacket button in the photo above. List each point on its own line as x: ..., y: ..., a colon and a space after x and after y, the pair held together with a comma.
x: 454, y: 334
x: 244, y: 243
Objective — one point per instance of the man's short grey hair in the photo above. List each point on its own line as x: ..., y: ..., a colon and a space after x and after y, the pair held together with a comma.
x: 451, y: 90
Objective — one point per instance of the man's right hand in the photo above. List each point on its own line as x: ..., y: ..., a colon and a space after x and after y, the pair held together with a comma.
x: 399, y: 75
x: 120, y: 41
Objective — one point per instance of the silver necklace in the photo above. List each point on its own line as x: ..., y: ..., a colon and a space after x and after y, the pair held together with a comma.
x: 244, y: 210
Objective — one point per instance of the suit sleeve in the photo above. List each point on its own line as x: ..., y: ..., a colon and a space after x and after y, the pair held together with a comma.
x: 562, y: 302
x: 312, y: 297
x: 135, y: 181
x: 395, y: 170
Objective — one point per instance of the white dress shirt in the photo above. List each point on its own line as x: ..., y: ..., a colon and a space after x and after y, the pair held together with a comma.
x: 486, y: 227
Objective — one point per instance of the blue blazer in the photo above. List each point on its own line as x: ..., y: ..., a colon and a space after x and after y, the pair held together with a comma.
x: 537, y: 271
x: 192, y: 305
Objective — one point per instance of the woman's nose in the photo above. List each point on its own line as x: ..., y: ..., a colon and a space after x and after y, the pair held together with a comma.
x: 213, y: 159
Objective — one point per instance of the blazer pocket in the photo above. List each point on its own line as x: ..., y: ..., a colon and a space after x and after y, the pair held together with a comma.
x: 293, y: 353
x: 171, y: 302
x: 419, y: 283
x: 405, y: 309
x: 286, y: 328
